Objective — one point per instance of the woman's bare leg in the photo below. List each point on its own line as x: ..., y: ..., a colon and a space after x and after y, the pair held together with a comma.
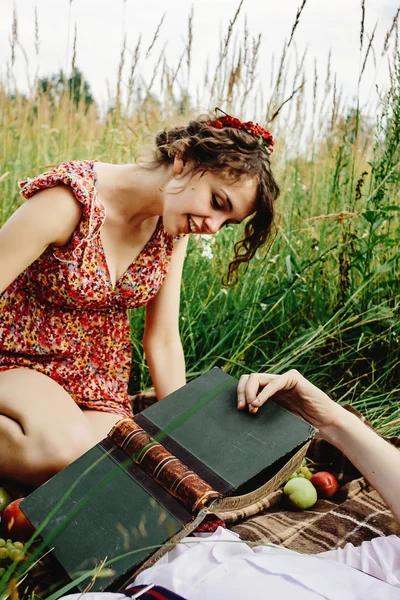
x: 101, y: 423
x: 42, y: 430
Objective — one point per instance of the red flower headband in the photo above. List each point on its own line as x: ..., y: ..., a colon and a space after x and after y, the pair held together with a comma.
x: 264, y: 136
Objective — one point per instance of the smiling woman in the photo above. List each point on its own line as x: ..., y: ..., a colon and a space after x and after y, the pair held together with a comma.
x: 93, y: 240
x: 234, y: 156
x: 205, y: 201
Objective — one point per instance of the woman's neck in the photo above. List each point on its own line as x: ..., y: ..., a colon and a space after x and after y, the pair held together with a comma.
x: 132, y: 193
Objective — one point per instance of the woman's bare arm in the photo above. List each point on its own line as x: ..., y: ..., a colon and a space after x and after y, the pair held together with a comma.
x: 375, y: 458
x: 49, y: 217
x: 161, y: 341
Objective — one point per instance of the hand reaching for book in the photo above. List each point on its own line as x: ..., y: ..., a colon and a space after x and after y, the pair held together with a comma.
x: 292, y: 391
x: 374, y: 457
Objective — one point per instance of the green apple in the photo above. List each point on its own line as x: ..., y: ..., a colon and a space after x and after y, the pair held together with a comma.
x: 5, y: 499
x: 300, y: 492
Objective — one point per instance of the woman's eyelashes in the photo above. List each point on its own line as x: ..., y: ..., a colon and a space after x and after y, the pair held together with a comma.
x: 215, y: 203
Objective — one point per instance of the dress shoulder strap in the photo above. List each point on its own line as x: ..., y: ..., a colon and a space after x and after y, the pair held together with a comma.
x: 80, y: 176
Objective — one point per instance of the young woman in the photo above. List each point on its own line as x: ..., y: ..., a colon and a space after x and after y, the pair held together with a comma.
x: 93, y: 240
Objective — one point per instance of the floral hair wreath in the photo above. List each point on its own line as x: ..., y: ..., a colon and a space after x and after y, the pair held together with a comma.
x: 264, y: 136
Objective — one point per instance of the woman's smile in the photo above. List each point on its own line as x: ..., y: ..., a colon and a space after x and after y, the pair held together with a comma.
x: 192, y: 228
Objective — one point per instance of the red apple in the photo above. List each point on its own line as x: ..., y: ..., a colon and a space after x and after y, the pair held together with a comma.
x: 14, y: 523
x: 325, y: 483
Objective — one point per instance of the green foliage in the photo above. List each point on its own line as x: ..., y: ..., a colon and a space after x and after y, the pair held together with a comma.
x: 58, y: 84
x: 381, y: 212
x: 325, y: 298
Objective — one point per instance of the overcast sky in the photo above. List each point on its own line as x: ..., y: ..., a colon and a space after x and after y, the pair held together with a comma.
x: 101, y: 24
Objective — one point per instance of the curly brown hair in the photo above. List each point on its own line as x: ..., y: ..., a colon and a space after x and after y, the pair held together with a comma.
x: 234, y: 154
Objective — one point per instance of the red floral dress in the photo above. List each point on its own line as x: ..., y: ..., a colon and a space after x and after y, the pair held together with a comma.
x: 63, y: 317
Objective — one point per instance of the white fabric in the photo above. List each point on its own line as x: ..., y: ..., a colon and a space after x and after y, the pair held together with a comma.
x: 380, y: 557
x: 220, y: 566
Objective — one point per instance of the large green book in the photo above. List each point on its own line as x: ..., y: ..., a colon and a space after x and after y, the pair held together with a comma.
x: 154, y: 478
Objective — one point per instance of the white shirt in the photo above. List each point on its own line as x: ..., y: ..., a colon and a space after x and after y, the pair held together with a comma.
x: 221, y: 566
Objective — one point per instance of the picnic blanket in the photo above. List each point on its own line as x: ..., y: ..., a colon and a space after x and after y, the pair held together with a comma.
x: 356, y: 514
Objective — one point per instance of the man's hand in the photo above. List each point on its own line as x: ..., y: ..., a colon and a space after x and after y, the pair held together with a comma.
x: 375, y: 458
x: 292, y: 391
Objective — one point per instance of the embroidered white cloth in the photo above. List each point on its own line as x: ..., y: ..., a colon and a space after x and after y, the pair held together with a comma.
x: 220, y: 566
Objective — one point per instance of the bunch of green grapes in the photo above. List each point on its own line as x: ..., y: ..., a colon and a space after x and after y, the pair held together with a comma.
x: 9, y: 552
x: 302, y: 471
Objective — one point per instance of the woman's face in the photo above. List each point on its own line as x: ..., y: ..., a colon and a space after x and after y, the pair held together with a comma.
x: 205, y: 202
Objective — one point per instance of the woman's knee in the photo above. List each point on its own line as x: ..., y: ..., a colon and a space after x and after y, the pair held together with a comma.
x: 46, y: 455
x: 76, y: 439
x: 44, y: 430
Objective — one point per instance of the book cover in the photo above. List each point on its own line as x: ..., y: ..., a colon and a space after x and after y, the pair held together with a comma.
x: 230, y: 449
x: 106, y: 507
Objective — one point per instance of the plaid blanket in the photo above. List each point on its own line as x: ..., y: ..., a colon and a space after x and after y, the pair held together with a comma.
x: 357, y: 514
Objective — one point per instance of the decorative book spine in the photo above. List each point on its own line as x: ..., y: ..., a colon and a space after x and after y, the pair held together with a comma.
x: 169, y: 472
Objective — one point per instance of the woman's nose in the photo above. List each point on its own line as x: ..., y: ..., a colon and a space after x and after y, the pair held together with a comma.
x: 213, y: 224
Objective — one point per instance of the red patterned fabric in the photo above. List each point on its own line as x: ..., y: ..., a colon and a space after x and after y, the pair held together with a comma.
x: 209, y: 525
x: 63, y: 317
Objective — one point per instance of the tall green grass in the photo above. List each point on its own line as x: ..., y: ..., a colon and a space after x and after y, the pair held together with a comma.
x: 325, y: 299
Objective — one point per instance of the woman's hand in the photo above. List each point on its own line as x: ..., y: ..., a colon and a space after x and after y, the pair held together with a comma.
x: 292, y: 391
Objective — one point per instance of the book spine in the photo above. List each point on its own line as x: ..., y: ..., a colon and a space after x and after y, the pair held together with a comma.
x: 188, y: 459
x: 169, y: 472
